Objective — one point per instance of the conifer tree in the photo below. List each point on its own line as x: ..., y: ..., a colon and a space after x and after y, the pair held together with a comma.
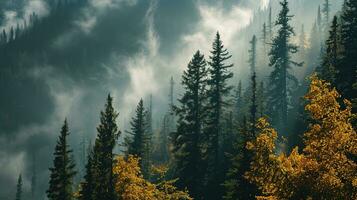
x: 63, y: 170
x: 189, y: 136
x: 302, y: 42
x: 253, y: 99
x: 139, y: 140
x: 270, y: 23
x: 103, y: 157
x: 327, y: 70
x: 264, y: 37
x: 280, y: 60
x: 261, y: 100
x: 19, y: 188
x: 87, y: 186
x: 218, y: 92
x: 319, y: 20
x: 326, y: 12
x: 238, y: 102
x: 347, y: 69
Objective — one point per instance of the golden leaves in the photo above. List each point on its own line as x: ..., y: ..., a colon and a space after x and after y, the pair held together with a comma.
x: 131, y: 185
x: 324, y: 170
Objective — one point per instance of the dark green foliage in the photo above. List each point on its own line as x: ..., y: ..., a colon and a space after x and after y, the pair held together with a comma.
x: 63, y: 170
x: 326, y: 9
x: 19, y: 188
x: 347, y: 68
x: 236, y: 185
x: 103, y: 153
x: 219, y: 74
x: 189, y: 136
x: 138, y: 141
x: 253, y: 101
x: 327, y: 70
x: 87, y: 186
x: 280, y: 60
x: 261, y: 100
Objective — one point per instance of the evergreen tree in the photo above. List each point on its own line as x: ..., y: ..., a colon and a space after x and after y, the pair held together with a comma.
x: 347, y: 69
x: 253, y: 100
x: 261, y: 100
x: 319, y: 20
x: 313, y: 56
x: 138, y: 140
x: 218, y: 92
x: 270, y: 24
x: 326, y: 12
x: 191, y: 115
x: 87, y: 186
x: 280, y: 59
x: 302, y: 42
x: 238, y: 102
x: 62, y: 172
x: 19, y: 188
x: 103, y: 153
x: 327, y: 70
x: 264, y: 37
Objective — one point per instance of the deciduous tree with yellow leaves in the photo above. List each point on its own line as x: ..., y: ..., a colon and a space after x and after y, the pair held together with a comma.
x: 325, y: 169
x: 131, y: 185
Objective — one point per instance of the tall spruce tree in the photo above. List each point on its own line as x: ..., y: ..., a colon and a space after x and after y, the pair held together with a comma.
x: 238, y: 102
x: 270, y: 23
x: 347, y: 69
x: 327, y: 70
x: 261, y: 101
x: 189, y: 135
x: 63, y: 170
x: 326, y: 9
x: 253, y: 101
x: 87, y: 186
x: 219, y: 90
x: 319, y: 20
x: 103, y: 153
x: 280, y: 60
x: 139, y: 140
x: 19, y: 188
x: 236, y: 185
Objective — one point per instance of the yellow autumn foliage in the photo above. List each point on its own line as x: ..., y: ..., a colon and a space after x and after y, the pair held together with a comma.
x: 131, y: 185
x: 325, y: 168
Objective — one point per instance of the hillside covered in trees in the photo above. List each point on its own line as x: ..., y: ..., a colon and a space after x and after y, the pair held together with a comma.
x: 178, y: 100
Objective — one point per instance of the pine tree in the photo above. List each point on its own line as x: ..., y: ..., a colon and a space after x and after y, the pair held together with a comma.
x: 87, y: 186
x: 62, y: 172
x: 314, y: 54
x: 264, y: 37
x: 191, y: 114
x: 261, y: 100
x: 139, y: 140
x: 103, y: 153
x: 319, y: 20
x: 218, y: 92
x: 326, y: 12
x: 270, y: 23
x: 253, y: 101
x: 280, y: 59
x: 302, y: 42
x: 19, y: 188
x: 327, y: 70
x: 238, y: 102
x: 347, y: 69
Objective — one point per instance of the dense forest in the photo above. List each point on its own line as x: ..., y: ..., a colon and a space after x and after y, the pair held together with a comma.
x: 280, y: 126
